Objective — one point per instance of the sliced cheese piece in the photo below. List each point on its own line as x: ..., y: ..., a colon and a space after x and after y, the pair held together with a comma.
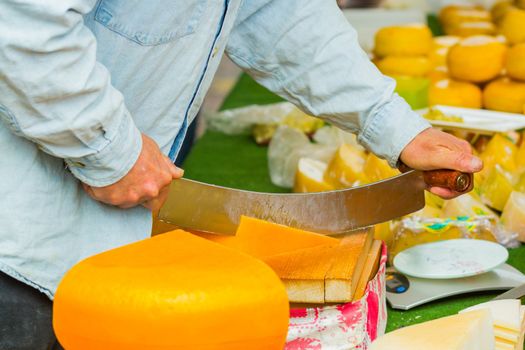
x: 262, y: 238
x: 370, y: 269
x: 173, y: 291
x: 505, y: 343
x: 467, y: 331
x: 303, y: 272
x: 348, y: 262
x: 505, y: 313
x: 506, y: 335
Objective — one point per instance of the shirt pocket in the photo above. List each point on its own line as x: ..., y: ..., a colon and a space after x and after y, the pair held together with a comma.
x: 150, y: 22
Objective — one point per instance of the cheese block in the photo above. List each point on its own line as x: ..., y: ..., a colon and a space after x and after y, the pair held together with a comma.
x: 505, y: 313
x: 324, y: 273
x: 262, y: 238
x: 369, y: 270
x: 467, y: 331
x: 347, y: 264
x: 172, y: 291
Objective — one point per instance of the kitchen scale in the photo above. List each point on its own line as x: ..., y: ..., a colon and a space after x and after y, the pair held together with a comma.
x: 442, y: 269
x: 406, y: 292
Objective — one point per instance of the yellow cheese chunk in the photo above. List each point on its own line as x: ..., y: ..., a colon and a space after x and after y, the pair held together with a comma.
x: 174, y: 291
x: 496, y: 188
x: 513, y: 216
x: 346, y: 167
x: 377, y: 169
x: 262, y: 238
x: 468, y: 331
x: 310, y: 177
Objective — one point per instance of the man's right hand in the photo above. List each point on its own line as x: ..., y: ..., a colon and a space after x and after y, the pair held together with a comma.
x: 146, y: 184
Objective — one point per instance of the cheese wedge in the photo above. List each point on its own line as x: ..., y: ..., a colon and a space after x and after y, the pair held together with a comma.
x: 370, y: 269
x: 467, y: 331
x: 262, y: 238
x: 346, y: 167
x: 309, y: 177
x: 174, y: 291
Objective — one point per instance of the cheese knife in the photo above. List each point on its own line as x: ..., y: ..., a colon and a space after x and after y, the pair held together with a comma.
x: 209, y: 208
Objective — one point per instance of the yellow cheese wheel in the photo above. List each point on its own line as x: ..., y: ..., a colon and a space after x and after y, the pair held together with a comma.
x: 413, y: 66
x: 454, y: 16
x: 172, y: 291
x: 454, y: 93
x: 438, y: 73
x: 504, y: 95
x: 515, y: 63
x: 513, y: 26
x: 476, y: 59
x: 407, y: 40
x: 500, y: 9
x: 465, y: 29
x: 261, y: 238
x: 440, y: 47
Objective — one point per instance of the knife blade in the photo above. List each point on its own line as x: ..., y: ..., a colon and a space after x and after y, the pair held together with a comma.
x: 209, y: 208
x: 514, y: 293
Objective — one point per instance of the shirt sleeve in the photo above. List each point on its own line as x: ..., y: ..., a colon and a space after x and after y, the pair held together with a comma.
x: 54, y: 93
x: 308, y: 53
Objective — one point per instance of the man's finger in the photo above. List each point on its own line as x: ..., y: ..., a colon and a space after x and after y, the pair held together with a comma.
x: 176, y: 172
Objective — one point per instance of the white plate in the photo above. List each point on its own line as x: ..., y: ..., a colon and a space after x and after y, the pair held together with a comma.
x: 478, y: 120
x: 453, y: 258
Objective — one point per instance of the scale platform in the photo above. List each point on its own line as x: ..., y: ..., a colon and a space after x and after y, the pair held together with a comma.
x: 405, y: 292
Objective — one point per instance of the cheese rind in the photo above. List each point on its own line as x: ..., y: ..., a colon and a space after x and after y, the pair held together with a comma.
x: 467, y: 331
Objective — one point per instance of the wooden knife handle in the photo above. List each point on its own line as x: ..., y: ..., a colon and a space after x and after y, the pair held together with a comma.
x: 452, y: 179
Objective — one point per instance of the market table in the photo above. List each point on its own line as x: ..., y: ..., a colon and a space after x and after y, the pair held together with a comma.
x: 238, y: 162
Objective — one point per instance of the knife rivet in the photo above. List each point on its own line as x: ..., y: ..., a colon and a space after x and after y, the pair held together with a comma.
x: 462, y: 182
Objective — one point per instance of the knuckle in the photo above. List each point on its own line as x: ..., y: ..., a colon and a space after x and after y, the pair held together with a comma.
x: 150, y: 190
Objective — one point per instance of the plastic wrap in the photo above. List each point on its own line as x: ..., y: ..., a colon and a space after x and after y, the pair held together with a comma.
x: 286, y: 148
x: 413, y: 231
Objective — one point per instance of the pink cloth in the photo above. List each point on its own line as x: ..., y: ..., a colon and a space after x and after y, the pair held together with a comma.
x: 342, y: 327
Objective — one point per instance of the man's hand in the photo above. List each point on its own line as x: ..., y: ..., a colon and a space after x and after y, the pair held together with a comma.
x: 434, y: 149
x: 147, y: 182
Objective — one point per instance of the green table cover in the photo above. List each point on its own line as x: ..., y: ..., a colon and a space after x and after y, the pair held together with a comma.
x: 236, y: 161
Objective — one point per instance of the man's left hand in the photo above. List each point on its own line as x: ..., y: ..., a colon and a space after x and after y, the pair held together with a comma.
x: 434, y: 149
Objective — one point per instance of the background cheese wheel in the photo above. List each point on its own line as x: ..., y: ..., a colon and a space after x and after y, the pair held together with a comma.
x: 408, y: 40
x: 173, y: 291
x: 465, y: 29
x: 513, y: 26
x: 504, y: 95
x: 413, y: 66
x: 515, y: 62
x: 454, y: 93
x: 476, y: 59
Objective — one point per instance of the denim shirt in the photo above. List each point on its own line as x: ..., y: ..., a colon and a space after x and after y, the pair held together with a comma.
x: 81, y: 79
